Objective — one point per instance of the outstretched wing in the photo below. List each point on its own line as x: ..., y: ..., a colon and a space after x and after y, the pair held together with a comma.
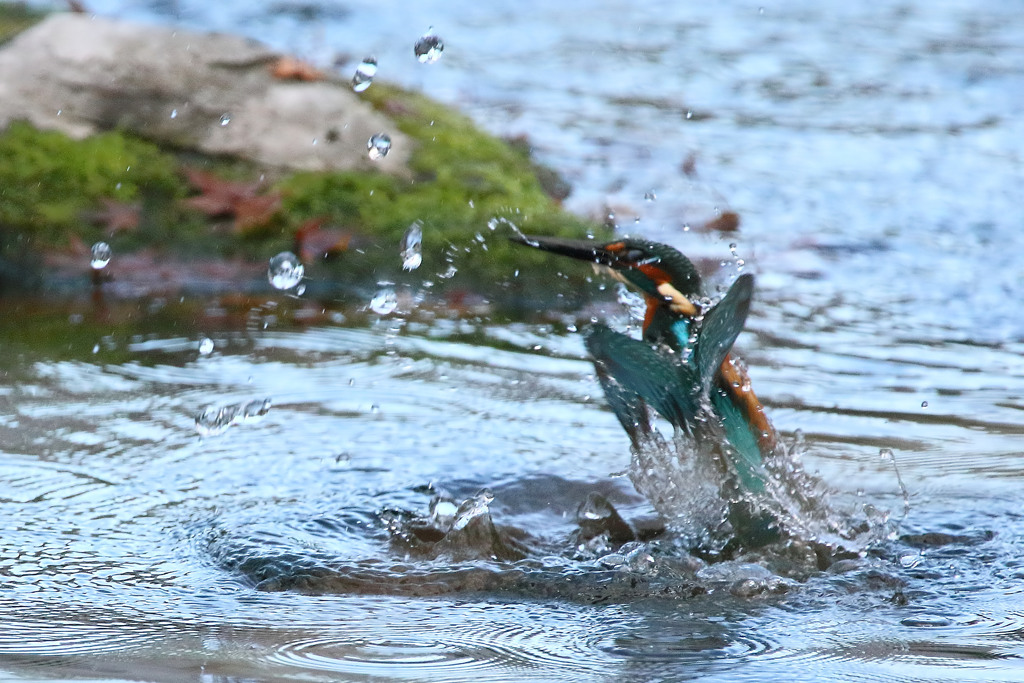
x: 722, y: 324
x: 642, y: 372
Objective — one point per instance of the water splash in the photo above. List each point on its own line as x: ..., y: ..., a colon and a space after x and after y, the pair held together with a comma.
x: 429, y: 47
x: 412, y: 247
x: 364, y: 75
x: 285, y: 271
x: 472, y: 508
x: 101, y: 255
x: 217, y: 419
x: 225, y: 119
x: 501, y: 222
x: 385, y: 302
x: 206, y: 347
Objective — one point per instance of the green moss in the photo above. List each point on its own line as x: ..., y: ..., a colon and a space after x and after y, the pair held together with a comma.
x: 49, y: 181
x: 15, y: 17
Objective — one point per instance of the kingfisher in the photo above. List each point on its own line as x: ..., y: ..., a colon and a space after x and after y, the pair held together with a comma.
x: 682, y: 367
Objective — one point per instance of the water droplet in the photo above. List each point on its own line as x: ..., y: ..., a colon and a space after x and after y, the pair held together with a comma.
x: 442, y: 512
x: 254, y: 410
x: 174, y: 113
x: 300, y: 290
x: 214, y: 420
x: 378, y: 146
x: 96, y: 348
x: 428, y: 49
x: 471, y: 508
x: 225, y: 119
x: 285, y: 270
x: 101, y: 254
x: 365, y: 72
x: 909, y: 559
x: 385, y: 302
x: 595, y: 508
x: 206, y: 346
x: 412, y: 247
x: 650, y: 196
x: 924, y: 404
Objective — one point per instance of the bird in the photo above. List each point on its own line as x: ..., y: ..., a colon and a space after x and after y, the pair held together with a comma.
x: 682, y: 366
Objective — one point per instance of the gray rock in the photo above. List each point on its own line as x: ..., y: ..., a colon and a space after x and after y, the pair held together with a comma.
x: 82, y: 75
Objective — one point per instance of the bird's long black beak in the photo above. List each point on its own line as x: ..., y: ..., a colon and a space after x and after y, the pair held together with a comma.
x: 581, y: 250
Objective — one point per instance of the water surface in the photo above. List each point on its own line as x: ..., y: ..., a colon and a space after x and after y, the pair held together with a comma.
x: 874, y: 155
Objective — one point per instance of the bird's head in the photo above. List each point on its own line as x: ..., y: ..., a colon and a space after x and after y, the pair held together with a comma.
x: 668, y: 280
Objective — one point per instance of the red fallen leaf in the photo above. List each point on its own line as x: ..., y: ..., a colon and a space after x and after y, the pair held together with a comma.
x: 117, y: 216
x: 291, y: 69
x: 255, y: 212
x: 216, y: 187
x: 729, y: 221
x: 212, y: 206
x: 313, y: 241
x: 221, y: 198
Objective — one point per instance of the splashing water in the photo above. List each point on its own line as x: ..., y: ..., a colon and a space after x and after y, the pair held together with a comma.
x: 412, y: 247
x: 378, y: 146
x: 365, y: 72
x: 429, y: 47
x: 472, y: 508
x: 285, y: 271
x: 101, y: 254
x: 632, y: 302
x: 500, y: 221
x: 384, y: 302
x: 216, y: 419
x: 206, y: 347
x: 225, y: 119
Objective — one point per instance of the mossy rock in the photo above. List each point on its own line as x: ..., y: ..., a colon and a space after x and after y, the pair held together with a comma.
x: 466, y: 188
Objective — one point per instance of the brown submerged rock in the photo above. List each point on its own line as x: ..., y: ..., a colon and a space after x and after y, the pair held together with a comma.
x: 210, y: 92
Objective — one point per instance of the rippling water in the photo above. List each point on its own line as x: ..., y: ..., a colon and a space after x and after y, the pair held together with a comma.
x: 875, y: 155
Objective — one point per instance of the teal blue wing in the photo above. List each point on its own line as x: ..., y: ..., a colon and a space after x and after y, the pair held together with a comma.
x: 642, y: 373
x: 627, y: 406
x: 721, y: 325
x: 745, y: 453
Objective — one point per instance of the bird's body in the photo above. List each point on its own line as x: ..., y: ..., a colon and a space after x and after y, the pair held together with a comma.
x: 681, y: 367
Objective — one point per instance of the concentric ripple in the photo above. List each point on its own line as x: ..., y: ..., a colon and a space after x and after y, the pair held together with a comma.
x: 490, y: 646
